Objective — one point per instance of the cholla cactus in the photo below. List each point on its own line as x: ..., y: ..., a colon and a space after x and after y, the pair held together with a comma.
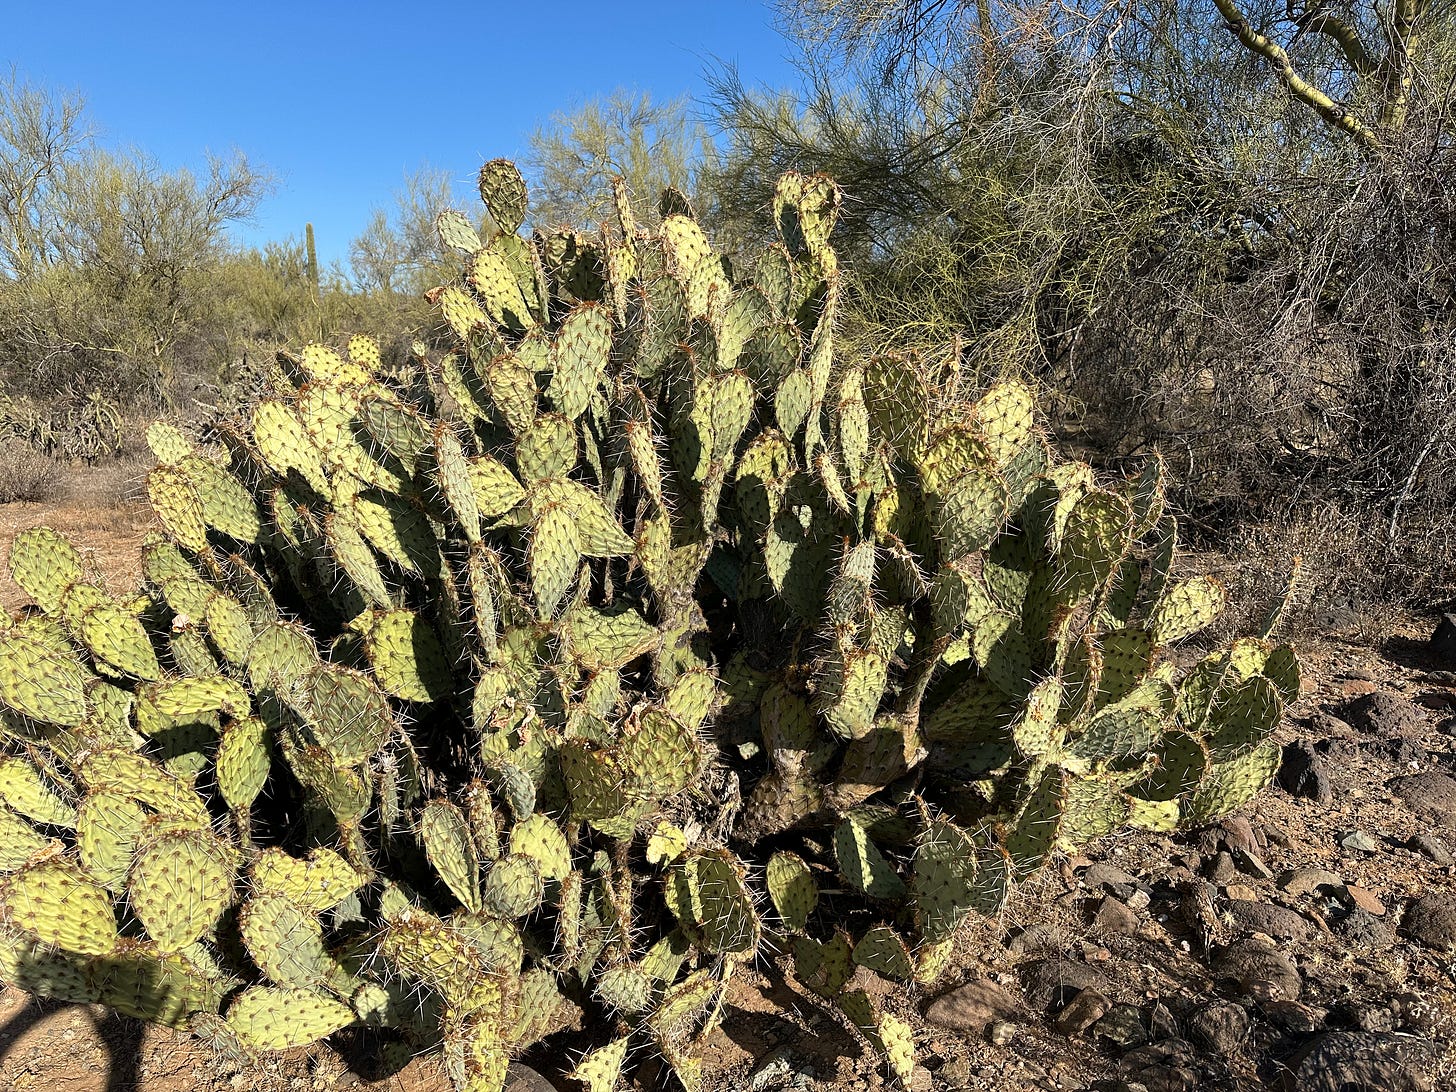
x: 427, y: 715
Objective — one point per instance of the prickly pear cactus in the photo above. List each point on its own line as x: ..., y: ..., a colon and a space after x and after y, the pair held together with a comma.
x: 472, y: 704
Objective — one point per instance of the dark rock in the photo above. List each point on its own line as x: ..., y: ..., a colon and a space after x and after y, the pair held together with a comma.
x: 1306, y: 881
x: 1303, y: 773
x: 1167, y: 1066
x: 1431, y: 848
x: 971, y: 1007
x: 1357, y: 1061
x: 1430, y: 795
x: 1363, y: 1017
x: 1052, y: 983
x: 1431, y: 919
x: 1162, y: 1024
x: 1111, y: 878
x: 1114, y: 917
x: 1222, y: 1026
x: 1423, y: 1014
x: 1362, y: 930
x: 1223, y: 871
x: 1034, y: 940
x: 1404, y: 752
x: 1328, y: 726
x: 1259, y: 970
x: 1385, y: 714
x: 1357, y: 841
x: 1443, y: 640
x: 1362, y: 898
x: 1251, y: 864
x: 1082, y: 1012
x: 1122, y: 1026
x: 1293, y: 1016
x: 1279, y: 922
x: 1238, y: 834
x: 522, y: 1078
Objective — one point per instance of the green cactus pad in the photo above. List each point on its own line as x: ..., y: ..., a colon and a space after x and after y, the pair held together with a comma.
x: 554, y: 554
x: 792, y: 888
x: 407, y: 657
x: 456, y: 232
x: 1184, y: 610
x: 40, y: 799
x: 319, y: 882
x: 539, y: 838
x: 277, y: 1018
x: 180, y: 882
x: 862, y: 864
x: 55, y: 902
x: 451, y: 851
x: 225, y: 503
x: 512, y: 886
x: 40, y: 680
x: 44, y: 563
x: 601, y: 1069
x: 706, y: 892
x: 503, y: 191
x: 242, y: 762
x: 145, y: 781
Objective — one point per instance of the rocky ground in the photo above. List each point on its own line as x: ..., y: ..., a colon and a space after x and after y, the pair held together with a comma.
x: 1305, y: 945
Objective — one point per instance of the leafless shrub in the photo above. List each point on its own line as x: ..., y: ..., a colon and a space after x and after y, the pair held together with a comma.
x: 27, y: 474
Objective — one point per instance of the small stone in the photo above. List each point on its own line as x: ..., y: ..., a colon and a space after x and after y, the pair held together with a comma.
x: 1223, y: 870
x: 956, y: 1073
x: 1443, y: 640
x: 1111, y: 878
x: 1002, y: 1032
x: 1251, y: 864
x: 1238, y: 833
x: 1034, y: 940
x: 1293, y: 1016
x: 1431, y: 920
x: 920, y: 1079
x: 1423, y: 1015
x: 1162, y: 1023
x: 1239, y: 892
x: 1339, y: 1061
x: 772, y: 1069
x: 1430, y: 795
x: 1432, y: 849
x: 1385, y: 714
x: 1302, y: 772
x: 1115, y: 917
x: 1361, y: 929
x: 971, y: 1007
x: 1222, y: 1026
x: 1279, y: 922
x: 1082, y: 1012
x: 1260, y: 970
x: 1052, y: 983
x: 1363, y: 898
x: 1122, y: 1026
x: 1306, y: 881
x: 522, y: 1078
x: 1357, y: 841
x: 1139, y: 900
x: 1167, y: 1066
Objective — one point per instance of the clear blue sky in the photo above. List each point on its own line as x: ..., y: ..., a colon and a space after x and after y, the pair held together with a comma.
x: 341, y: 101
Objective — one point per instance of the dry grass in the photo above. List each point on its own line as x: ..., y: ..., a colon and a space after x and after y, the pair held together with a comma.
x: 27, y: 474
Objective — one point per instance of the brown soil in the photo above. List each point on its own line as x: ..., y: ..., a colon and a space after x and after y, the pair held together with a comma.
x: 775, y: 1037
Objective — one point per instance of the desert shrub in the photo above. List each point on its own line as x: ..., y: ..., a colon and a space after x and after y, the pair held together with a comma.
x: 26, y: 474
x: 640, y: 635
